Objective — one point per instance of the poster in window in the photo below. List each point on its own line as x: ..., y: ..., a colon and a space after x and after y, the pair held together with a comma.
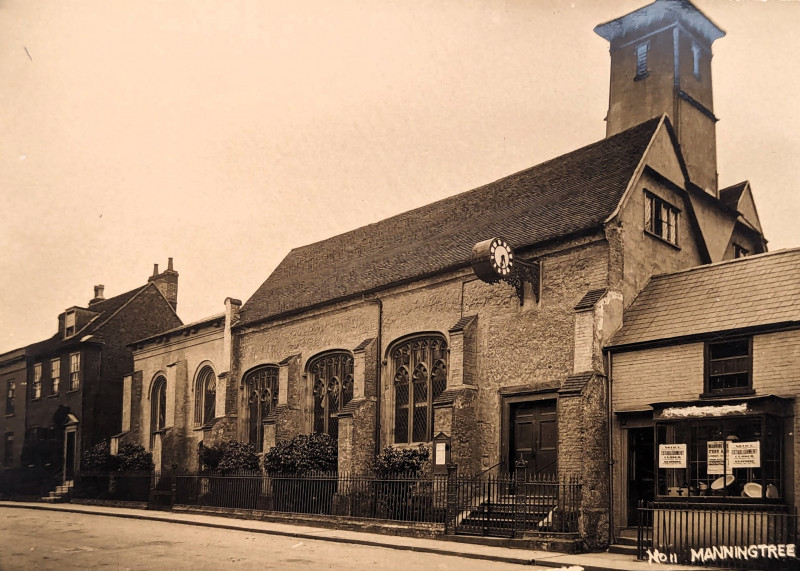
x: 672, y: 455
x: 716, y: 455
x: 745, y: 454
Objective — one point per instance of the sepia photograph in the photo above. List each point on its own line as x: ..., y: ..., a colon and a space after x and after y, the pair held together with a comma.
x: 425, y: 284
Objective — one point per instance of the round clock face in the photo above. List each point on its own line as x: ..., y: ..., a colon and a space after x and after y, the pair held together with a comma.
x: 501, y: 256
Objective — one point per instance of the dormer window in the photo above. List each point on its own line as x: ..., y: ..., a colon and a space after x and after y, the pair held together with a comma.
x: 641, y: 61
x: 69, y: 324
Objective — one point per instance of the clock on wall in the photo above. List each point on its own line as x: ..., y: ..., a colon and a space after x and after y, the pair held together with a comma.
x: 492, y: 260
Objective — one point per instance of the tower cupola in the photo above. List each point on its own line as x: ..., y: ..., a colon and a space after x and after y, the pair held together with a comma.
x: 661, y: 63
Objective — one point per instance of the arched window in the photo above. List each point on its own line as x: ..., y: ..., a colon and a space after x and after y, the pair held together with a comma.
x: 158, y: 405
x: 332, y: 382
x: 262, y: 387
x: 420, y: 376
x: 205, y: 403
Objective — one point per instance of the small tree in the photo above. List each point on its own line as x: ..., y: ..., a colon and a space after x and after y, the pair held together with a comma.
x: 229, y: 456
x: 302, y: 454
x: 407, y: 461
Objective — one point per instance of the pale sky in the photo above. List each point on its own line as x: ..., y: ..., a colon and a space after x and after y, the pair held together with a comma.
x: 225, y: 133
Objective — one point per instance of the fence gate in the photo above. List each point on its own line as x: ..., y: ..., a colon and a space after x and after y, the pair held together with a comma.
x: 486, y: 506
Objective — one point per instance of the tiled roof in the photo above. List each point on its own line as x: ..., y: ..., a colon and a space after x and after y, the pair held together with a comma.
x: 566, y: 195
x: 730, y: 195
x: 590, y: 298
x: 748, y: 292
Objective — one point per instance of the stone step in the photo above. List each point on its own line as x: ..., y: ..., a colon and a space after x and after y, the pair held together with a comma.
x: 623, y: 549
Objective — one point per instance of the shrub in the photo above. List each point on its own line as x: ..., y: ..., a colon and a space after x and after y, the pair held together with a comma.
x: 302, y: 454
x: 394, y: 461
x: 98, y: 458
x: 133, y: 457
x: 229, y: 456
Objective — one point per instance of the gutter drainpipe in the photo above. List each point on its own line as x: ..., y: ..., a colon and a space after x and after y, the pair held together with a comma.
x: 378, y: 361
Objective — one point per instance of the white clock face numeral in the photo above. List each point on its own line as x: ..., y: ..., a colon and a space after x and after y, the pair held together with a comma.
x: 502, y: 257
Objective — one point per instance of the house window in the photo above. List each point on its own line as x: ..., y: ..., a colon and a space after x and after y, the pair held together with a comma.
x: 55, y: 375
x: 74, y: 371
x: 660, y: 218
x: 739, y: 251
x: 11, y: 389
x: 733, y: 457
x: 641, y: 61
x: 728, y: 366
x: 420, y: 376
x: 37, y: 381
x: 8, y: 449
x: 69, y: 324
x: 262, y: 386
x: 332, y: 382
x: 158, y: 405
x: 205, y: 397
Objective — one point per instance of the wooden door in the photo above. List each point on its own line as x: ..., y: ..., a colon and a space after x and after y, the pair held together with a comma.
x: 534, y: 437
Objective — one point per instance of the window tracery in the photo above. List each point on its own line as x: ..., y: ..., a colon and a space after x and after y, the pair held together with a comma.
x: 332, y: 385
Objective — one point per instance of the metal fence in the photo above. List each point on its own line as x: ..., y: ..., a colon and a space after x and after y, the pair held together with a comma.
x: 754, y: 536
x: 400, y: 497
x: 120, y: 486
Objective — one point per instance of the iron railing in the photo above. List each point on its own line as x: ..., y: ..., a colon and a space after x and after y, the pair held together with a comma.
x: 746, y: 536
x: 119, y: 486
x: 502, y: 504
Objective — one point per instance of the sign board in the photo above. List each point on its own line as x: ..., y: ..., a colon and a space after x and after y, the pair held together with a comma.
x: 745, y: 454
x: 672, y: 455
x: 440, y: 453
x: 716, y: 458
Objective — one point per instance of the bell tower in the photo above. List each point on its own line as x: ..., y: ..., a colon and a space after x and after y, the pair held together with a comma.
x: 661, y: 63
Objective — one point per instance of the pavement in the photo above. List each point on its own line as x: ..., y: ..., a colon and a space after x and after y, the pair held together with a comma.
x: 585, y: 561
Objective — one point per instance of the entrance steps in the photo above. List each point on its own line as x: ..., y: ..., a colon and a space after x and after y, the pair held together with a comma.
x: 626, y: 542
x: 497, y: 516
x: 60, y: 494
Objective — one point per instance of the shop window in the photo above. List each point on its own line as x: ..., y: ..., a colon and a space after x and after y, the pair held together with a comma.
x: 11, y: 390
x: 36, y: 386
x: 732, y: 457
x: 205, y: 403
x: 661, y: 218
x: 332, y: 382
x: 728, y: 367
x: 420, y: 376
x: 262, y: 386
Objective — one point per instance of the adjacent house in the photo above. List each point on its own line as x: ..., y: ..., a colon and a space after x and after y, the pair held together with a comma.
x: 74, y: 380
x: 704, y: 381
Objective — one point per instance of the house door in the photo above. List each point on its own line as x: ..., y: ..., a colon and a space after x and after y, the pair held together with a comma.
x: 641, y: 469
x: 534, y: 437
x: 69, y: 454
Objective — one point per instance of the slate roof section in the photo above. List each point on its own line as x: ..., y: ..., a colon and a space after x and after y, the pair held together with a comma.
x: 590, y: 298
x: 730, y: 195
x: 574, y: 384
x: 735, y: 294
x: 567, y: 195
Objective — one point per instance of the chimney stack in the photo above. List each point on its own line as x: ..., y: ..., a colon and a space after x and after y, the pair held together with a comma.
x: 166, y: 282
x: 98, y: 294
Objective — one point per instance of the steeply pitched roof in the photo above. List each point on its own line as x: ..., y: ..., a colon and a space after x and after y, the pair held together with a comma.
x: 566, y: 195
x: 747, y: 292
x: 730, y: 195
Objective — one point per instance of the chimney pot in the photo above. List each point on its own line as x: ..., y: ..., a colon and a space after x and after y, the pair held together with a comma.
x: 155, y: 270
x: 98, y: 291
x: 169, y: 265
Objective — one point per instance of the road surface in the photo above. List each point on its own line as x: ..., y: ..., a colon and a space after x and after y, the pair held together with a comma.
x: 41, y: 539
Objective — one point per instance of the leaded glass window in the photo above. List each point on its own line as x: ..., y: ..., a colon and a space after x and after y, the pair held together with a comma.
x: 332, y: 382
x: 205, y: 397
x: 420, y: 376
x: 262, y: 387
